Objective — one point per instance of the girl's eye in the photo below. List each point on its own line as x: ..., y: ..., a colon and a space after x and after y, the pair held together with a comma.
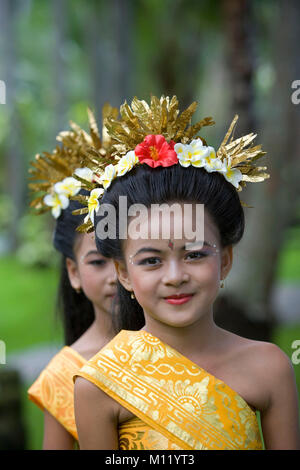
x: 196, y: 255
x: 98, y: 262
x: 154, y: 261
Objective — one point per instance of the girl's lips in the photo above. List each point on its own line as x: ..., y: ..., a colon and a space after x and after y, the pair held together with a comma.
x: 179, y: 299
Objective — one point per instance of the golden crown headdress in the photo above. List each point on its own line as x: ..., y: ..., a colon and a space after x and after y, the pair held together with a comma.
x: 53, y: 173
x: 157, y: 134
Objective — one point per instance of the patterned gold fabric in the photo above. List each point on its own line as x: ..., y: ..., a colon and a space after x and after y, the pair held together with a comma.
x: 177, y: 404
x: 54, y: 389
x: 135, y: 434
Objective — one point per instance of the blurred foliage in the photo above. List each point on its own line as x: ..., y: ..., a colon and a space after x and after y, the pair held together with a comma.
x: 35, y: 245
x: 27, y: 305
x: 190, y: 42
x: 157, y: 27
x: 34, y: 419
x: 6, y: 212
x: 284, y: 336
x: 288, y: 269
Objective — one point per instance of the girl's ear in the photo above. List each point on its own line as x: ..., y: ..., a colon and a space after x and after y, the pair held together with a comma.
x: 226, y: 261
x: 122, y: 274
x: 73, y: 273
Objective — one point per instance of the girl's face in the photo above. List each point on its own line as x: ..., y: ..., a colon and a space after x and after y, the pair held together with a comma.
x: 92, y: 272
x: 175, y: 282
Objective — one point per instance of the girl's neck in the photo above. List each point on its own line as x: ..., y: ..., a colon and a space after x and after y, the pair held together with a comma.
x: 198, y: 339
x: 96, y: 336
x: 102, y: 325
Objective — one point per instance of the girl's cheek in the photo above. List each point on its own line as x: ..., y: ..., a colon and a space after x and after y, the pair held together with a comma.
x: 141, y: 283
x: 208, y: 277
x: 134, y: 275
x: 89, y: 276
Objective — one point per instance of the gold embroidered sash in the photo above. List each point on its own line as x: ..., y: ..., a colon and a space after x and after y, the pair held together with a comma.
x: 54, y: 388
x: 135, y: 434
x: 172, y: 395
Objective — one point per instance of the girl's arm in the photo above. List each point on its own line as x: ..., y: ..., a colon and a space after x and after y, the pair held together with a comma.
x: 280, y: 418
x: 96, y: 417
x: 56, y: 437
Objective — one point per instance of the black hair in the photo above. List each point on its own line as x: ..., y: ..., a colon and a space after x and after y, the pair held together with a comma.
x: 145, y: 185
x: 74, y: 309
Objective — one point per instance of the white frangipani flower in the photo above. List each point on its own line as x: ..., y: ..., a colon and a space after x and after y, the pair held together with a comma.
x: 202, y: 156
x: 192, y: 154
x: 93, y: 202
x: 69, y: 186
x: 212, y: 162
x: 108, y: 175
x: 233, y: 175
x: 84, y: 173
x: 126, y: 163
x: 57, y: 202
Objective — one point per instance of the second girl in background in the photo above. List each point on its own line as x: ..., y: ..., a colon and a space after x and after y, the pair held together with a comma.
x: 86, y: 289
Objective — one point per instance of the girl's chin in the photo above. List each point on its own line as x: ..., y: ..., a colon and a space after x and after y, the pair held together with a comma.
x: 177, y: 324
x: 176, y: 319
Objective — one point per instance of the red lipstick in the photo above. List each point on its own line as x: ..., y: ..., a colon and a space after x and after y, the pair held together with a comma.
x: 178, y: 299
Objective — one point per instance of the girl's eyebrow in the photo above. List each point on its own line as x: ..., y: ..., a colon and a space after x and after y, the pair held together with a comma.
x: 92, y: 252
x: 155, y: 250
x: 146, y: 249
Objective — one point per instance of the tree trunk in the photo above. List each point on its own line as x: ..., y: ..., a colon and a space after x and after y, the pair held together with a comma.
x: 108, y: 42
x: 238, y: 30
x: 59, y: 68
x: 176, y: 63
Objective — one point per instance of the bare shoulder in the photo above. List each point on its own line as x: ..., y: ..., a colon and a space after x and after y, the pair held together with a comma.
x: 84, y: 387
x: 271, y: 363
x: 95, y: 410
x: 264, y: 360
x: 265, y: 355
x: 86, y: 392
x: 269, y: 385
x: 268, y: 353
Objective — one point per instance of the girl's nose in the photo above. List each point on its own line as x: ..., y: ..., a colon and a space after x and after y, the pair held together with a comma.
x: 112, y: 275
x: 112, y: 280
x: 175, y: 273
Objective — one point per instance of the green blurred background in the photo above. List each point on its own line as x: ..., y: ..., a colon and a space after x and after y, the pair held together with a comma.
x: 232, y: 56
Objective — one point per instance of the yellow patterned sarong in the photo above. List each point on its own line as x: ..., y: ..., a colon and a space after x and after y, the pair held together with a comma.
x: 177, y: 405
x: 54, y: 388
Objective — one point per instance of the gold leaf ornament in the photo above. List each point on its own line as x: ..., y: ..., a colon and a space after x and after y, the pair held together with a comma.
x: 235, y: 158
x: 78, y: 149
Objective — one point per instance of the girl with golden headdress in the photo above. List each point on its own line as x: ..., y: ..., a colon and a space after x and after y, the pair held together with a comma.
x: 87, y: 283
x: 172, y: 379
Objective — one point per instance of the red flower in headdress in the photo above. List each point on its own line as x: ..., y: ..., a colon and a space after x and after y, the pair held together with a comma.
x: 156, y: 151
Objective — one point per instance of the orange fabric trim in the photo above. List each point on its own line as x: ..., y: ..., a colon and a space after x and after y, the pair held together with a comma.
x: 54, y: 389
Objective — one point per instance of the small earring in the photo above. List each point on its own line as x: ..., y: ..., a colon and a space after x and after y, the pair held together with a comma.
x: 221, y: 284
x: 132, y: 296
x: 78, y: 290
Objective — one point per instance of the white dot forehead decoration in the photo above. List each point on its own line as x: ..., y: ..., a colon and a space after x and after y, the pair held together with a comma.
x: 194, y: 245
